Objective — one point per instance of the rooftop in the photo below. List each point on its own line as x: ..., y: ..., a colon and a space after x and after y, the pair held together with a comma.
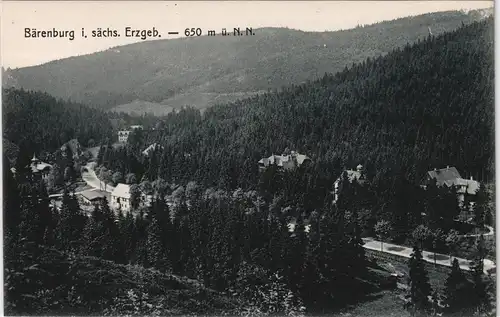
x: 284, y: 160
x: 444, y: 174
x: 41, y: 166
x: 93, y: 194
x: 450, y: 176
x: 122, y: 191
x: 152, y: 147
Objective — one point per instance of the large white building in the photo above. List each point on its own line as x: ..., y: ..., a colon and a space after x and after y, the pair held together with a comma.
x: 120, y: 197
x: 124, y: 134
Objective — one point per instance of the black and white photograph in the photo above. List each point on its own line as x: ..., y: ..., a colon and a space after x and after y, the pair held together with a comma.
x: 248, y: 158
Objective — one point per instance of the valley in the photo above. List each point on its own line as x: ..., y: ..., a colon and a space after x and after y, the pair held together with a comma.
x: 346, y: 173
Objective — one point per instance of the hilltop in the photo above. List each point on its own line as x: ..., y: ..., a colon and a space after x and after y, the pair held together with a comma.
x: 158, y: 76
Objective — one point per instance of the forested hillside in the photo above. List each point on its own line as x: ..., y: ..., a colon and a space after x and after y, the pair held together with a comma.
x: 158, y: 76
x: 216, y: 219
x: 423, y: 106
x: 36, y: 121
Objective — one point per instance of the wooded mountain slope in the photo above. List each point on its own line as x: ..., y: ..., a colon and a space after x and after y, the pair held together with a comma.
x: 205, y: 70
x: 35, y: 121
x: 424, y: 106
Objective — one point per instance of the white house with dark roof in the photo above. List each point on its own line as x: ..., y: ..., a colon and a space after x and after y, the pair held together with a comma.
x: 123, y: 135
x: 120, y: 197
x: 284, y: 161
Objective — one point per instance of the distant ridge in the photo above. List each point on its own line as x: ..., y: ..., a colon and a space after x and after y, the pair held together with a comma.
x: 158, y: 76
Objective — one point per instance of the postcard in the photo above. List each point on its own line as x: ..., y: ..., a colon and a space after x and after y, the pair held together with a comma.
x: 248, y: 158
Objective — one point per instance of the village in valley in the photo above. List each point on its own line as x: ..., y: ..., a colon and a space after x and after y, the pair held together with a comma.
x: 326, y: 173
x: 129, y: 196
x: 450, y: 242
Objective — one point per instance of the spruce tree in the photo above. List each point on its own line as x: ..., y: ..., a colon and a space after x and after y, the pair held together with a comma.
x: 457, y: 291
x: 71, y: 224
x: 481, y: 298
x: 481, y: 207
x: 113, y: 249
x: 310, y: 290
x: 128, y: 233
x: 327, y: 255
x: 93, y: 235
x: 295, y: 262
x: 11, y: 206
x: 420, y: 289
x: 382, y: 230
x: 156, y: 254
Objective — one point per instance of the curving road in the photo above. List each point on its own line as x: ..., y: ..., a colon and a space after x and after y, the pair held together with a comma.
x: 91, y: 179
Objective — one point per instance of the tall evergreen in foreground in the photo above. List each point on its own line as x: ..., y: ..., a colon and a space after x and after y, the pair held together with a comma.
x: 457, y: 292
x: 481, y: 292
x: 420, y: 289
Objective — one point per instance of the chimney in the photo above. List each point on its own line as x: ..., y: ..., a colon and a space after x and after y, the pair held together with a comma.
x: 471, y: 178
x: 447, y: 167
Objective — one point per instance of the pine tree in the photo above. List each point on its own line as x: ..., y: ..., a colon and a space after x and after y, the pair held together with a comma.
x: 382, y: 230
x: 420, y: 289
x: 481, y: 207
x: 140, y: 254
x: 71, y: 224
x: 128, y: 233
x: 156, y: 256
x: 310, y: 290
x: 481, y: 298
x: 295, y: 262
x: 457, y: 291
x: 327, y: 252
x: 113, y: 249
x: 356, y: 252
x: 93, y: 234
x: 11, y: 206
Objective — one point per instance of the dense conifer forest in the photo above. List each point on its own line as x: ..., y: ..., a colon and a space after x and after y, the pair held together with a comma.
x: 37, y: 121
x: 424, y: 106
x: 225, y: 227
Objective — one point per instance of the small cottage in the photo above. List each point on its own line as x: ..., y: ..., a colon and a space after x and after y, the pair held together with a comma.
x: 39, y: 168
